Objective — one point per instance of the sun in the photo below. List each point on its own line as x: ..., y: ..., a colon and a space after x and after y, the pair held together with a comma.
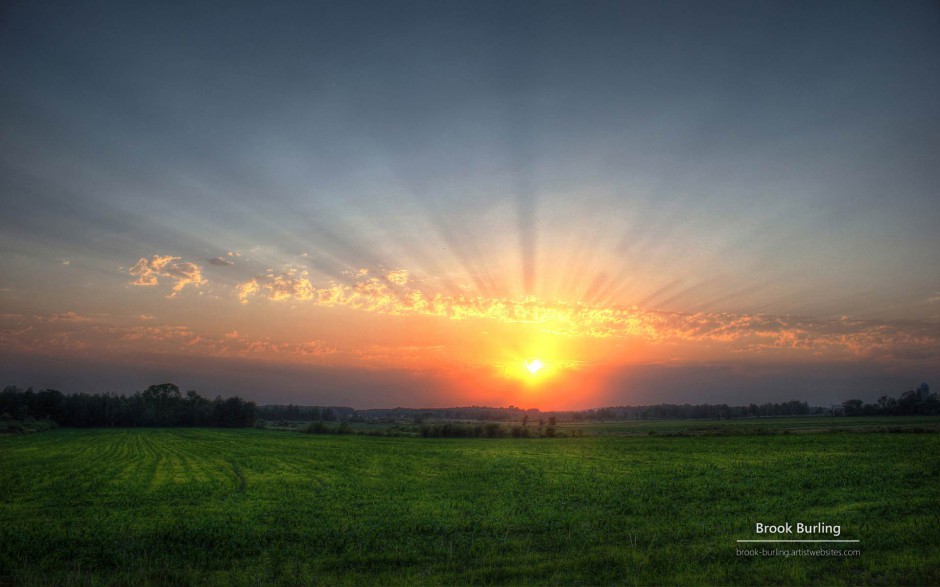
x: 534, y: 366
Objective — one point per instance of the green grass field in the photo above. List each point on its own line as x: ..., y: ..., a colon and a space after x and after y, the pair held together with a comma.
x: 152, y: 506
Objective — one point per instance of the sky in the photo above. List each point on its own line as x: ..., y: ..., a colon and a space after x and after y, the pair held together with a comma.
x: 382, y: 204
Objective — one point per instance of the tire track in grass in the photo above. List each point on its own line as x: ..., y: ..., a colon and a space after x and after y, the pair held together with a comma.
x: 241, y: 482
x: 131, y: 459
x: 151, y: 463
x: 110, y: 461
x: 173, y: 471
x: 193, y: 470
x: 210, y: 461
x: 178, y: 469
x: 199, y: 463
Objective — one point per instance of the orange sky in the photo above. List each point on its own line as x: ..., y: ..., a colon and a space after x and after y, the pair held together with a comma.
x: 475, y: 348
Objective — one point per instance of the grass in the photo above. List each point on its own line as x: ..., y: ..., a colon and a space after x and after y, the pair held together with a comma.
x: 258, y: 507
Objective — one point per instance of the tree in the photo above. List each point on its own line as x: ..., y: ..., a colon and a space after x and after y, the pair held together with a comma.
x: 163, y: 392
x: 852, y: 407
x: 162, y: 404
x: 907, y: 403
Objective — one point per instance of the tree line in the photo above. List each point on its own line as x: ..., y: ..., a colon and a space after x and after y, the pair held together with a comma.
x: 698, y: 411
x: 162, y: 405
x: 913, y: 402
x: 655, y: 412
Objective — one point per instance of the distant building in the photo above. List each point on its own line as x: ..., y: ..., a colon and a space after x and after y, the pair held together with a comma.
x: 923, y: 392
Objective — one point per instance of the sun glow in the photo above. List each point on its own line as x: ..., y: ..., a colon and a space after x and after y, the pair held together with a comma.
x: 534, y: 366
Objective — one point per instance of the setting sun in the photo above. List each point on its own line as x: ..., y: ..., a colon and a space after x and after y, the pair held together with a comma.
x: 534, y: 366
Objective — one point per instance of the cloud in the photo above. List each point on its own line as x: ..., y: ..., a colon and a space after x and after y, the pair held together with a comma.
x: 234, y: 344
x: 176, y: 338
x: 276, y: 288
x: 108, y: 334
x: 226, y: 260
x: 151, y: 333
x: 401, y: 356
x: 398, y: 277
x: 65, y: 317
x: 182, y: 273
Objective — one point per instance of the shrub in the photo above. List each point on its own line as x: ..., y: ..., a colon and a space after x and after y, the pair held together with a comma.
x: 317, y: 427
x: 13, y: 426
x: 458, y: 430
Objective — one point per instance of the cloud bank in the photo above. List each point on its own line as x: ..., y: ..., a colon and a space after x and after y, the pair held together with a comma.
x: 398, y: 293
x: 392, y: 295
x: 149, y: 272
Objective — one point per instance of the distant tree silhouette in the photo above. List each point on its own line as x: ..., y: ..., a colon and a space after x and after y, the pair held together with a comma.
x: 852, y: 407
x: 158, y: 405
